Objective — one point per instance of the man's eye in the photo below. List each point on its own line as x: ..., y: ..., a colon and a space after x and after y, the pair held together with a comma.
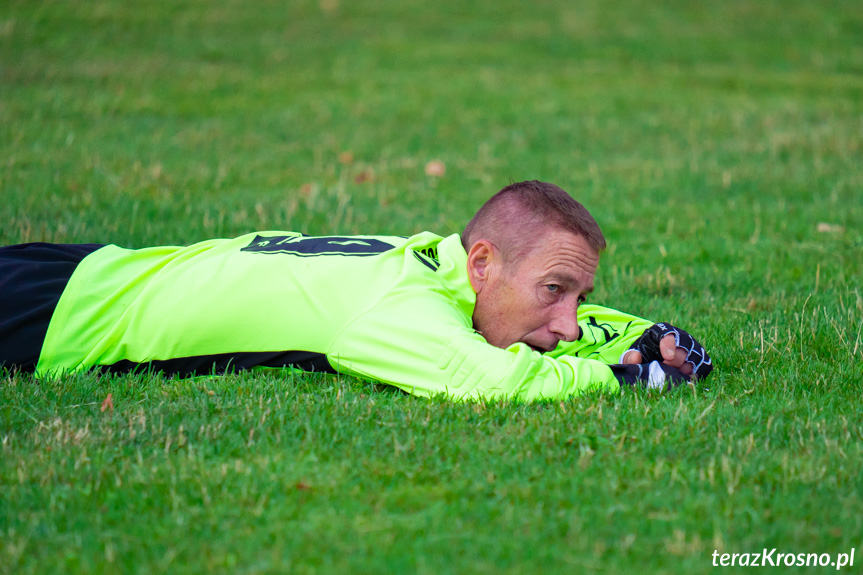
x: 553, y: 288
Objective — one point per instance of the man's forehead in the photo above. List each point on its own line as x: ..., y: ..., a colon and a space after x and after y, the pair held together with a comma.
x: 566, y: 251
x: 561, y: 257
x: 565, y: 262
x: 577, y: 261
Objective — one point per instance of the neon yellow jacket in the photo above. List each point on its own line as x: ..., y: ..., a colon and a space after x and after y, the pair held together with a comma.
x: 389, y: 309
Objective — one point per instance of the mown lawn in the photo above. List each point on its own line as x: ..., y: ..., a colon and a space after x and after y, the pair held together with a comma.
x: 719, y: 145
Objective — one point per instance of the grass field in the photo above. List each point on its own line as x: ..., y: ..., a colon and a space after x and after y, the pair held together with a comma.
x: 719, y: 145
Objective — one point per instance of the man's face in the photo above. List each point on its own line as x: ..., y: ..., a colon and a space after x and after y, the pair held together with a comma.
x: 533, y: 300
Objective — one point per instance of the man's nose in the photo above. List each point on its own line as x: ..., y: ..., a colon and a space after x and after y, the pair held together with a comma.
x: 565, y: 325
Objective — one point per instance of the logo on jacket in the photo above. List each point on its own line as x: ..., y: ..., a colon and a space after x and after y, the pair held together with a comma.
x: 310, y: 246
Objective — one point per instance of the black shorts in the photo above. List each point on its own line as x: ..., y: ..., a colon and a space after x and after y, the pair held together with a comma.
x: 32, y: 278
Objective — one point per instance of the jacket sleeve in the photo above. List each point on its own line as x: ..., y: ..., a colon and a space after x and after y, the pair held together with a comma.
x: 432, y: 349
x: 605, y: 334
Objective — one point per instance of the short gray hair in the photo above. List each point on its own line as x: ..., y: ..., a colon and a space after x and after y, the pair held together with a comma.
x: 529, y: 206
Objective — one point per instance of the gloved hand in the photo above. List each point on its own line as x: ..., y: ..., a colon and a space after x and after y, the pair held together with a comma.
x: 672, y: 346
x: 653, y: 375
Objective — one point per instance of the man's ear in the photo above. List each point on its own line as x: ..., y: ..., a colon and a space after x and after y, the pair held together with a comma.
x: 481, y: 259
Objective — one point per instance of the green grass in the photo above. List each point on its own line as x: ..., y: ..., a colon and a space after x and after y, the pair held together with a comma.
x: 710, y: 140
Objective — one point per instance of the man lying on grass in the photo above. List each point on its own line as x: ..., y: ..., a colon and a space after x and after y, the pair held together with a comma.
x: 494, y: 313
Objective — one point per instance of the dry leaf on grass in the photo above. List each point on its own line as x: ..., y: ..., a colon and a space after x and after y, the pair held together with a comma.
x: 825, y: 228
x: 435, y: 168
x: 364, y: 176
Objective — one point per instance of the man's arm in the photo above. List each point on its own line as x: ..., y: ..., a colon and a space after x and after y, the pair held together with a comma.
x: 436, y: 351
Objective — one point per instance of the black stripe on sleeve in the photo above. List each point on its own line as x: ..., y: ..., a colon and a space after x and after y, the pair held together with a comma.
x: 225, y: 363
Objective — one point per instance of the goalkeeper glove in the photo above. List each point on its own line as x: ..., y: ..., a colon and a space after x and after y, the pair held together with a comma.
x: 696, y: 355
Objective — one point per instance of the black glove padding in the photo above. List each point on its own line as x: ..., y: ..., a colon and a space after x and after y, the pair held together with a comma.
x: 653, y: 375
x: 696, y: 355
